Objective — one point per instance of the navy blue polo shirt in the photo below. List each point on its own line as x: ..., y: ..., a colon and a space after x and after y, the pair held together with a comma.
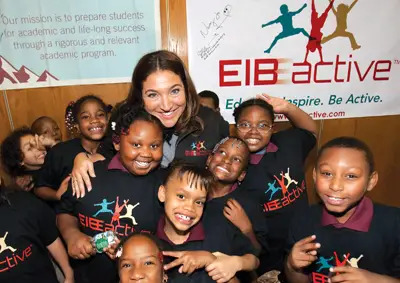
x: 276, y: 178
x: 119, y: 201
x: 370, y: 239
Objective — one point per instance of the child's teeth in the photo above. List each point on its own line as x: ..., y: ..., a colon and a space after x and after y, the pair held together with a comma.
x: 184, y: 217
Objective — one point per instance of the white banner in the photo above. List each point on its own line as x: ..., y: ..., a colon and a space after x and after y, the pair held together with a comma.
x: 334, y: 60
x: 52, y: 43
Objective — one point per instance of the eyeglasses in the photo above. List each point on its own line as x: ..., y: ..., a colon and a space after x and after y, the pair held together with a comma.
x: 262, y: 128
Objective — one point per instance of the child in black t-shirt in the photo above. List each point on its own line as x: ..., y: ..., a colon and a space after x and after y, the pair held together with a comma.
x: 140, y: 258
x: 228, y: 163
x: 27, y: 234
x: 275, y: 175
x: 22, y: 156
x: 89, y: 116
x: 184, y: 236
x: 347, y: 238
x: 123, y: 199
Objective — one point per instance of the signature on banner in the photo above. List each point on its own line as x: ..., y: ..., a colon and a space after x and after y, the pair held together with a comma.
x: 212, y: 32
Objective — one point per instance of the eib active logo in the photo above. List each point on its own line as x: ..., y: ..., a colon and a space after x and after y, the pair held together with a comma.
x: 270, y: 71
x: 197, y: 149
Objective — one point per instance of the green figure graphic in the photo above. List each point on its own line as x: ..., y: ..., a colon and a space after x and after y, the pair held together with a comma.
x: 286, y: 20
x: 341, y: 29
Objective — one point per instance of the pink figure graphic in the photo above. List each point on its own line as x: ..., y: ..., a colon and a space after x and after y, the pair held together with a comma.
x: 117, y: 210
x: 5, y: 75
x: 316, y: 25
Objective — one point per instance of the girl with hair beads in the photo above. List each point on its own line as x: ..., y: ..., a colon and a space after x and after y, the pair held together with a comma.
x: 140, y: 258
x: 23, y: 155
x: 28, y: 233
x: 163, y: 87
x: 347, y: 237
x: 89, y: 117
x: 275, y: 175
x: 124, y: 199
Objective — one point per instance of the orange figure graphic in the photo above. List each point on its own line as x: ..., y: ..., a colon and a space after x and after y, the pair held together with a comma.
x: 341, y: 29
x: 316, y: 25
x: 117, y: 210
x: 281, y: 183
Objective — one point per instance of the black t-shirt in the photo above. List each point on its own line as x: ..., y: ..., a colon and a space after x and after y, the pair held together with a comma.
x: 253, y: 211
x: 27, y: 227
x: 58, y: 163
x: 377, y: 250
x: 278, y: 182
x: 119, y: 201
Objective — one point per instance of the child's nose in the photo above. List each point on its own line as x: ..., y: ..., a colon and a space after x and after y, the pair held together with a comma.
x: 336, y: 184
x: 137, y: 274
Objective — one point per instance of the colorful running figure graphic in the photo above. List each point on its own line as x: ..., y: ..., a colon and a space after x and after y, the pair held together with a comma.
x: 3, y: 245
x: 117, y: 210
x: 104, y: 207
x: 341, y: 29
x: 316, y: 25
x: 286, y: 20
x: 272, y: 189
x: 281, y: 183
x: 324, y: 262
x: 128, y: 213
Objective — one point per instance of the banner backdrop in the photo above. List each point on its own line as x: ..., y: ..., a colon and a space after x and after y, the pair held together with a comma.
x: 334, y: 59
x: 51, y: 43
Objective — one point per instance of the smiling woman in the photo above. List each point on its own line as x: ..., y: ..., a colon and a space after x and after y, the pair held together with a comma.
x: 163, y: 87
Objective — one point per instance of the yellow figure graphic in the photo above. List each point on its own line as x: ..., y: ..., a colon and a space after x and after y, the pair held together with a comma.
x: 128, y: 213
x: 341, y: 25
x: 3, y: 245
x: 354, y: 261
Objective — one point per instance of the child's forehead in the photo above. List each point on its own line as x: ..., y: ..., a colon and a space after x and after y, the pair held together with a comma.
x: 231, y: 143
x: 187, y: 182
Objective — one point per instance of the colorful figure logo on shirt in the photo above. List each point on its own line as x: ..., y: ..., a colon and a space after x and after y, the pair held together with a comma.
x: 286, y: 20
x: 128, y: 213
x: 104, y: 207
x: 197, y: 149
x: 290, y: 191
x: 4, y: 246
x: 323, y: 263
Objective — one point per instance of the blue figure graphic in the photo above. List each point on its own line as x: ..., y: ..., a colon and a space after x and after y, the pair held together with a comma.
x: 324, y: 263
x: 286, y: 20
x: 273, y: 189
x: 194, y: 147
x: 104, y: 207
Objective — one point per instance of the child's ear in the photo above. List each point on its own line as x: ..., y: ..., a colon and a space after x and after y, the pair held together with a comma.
x: 208, y: 160
x: 242, y: 175
x: 76, y: 128
x: 373, y: 180
x: 161, y: 193
x: 116, y: 146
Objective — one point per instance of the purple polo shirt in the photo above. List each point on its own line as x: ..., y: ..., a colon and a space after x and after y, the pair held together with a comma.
x: 116, y: 164
x: 359, y: 221
x: 196, y: 232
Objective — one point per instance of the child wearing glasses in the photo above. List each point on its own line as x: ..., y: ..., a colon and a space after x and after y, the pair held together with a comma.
x: 275, y: 175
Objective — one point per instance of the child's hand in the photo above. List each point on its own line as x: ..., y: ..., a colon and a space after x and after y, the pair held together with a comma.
x: 303, y: 253
x: 189, y: 260
x: 111, y: 250
x: 280, y: 106
x: 80, y: 246
x: 25, y: 182
x: 63, y: 187
x: 83, y: 167
x: 224, y: 267
x: 234, y: 212
x: 45, y: 141
x: 356, y: 275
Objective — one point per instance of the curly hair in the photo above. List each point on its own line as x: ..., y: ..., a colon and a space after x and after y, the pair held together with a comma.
x: 167, y: 61
x: 125, y: 115
x: 11, y: 153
